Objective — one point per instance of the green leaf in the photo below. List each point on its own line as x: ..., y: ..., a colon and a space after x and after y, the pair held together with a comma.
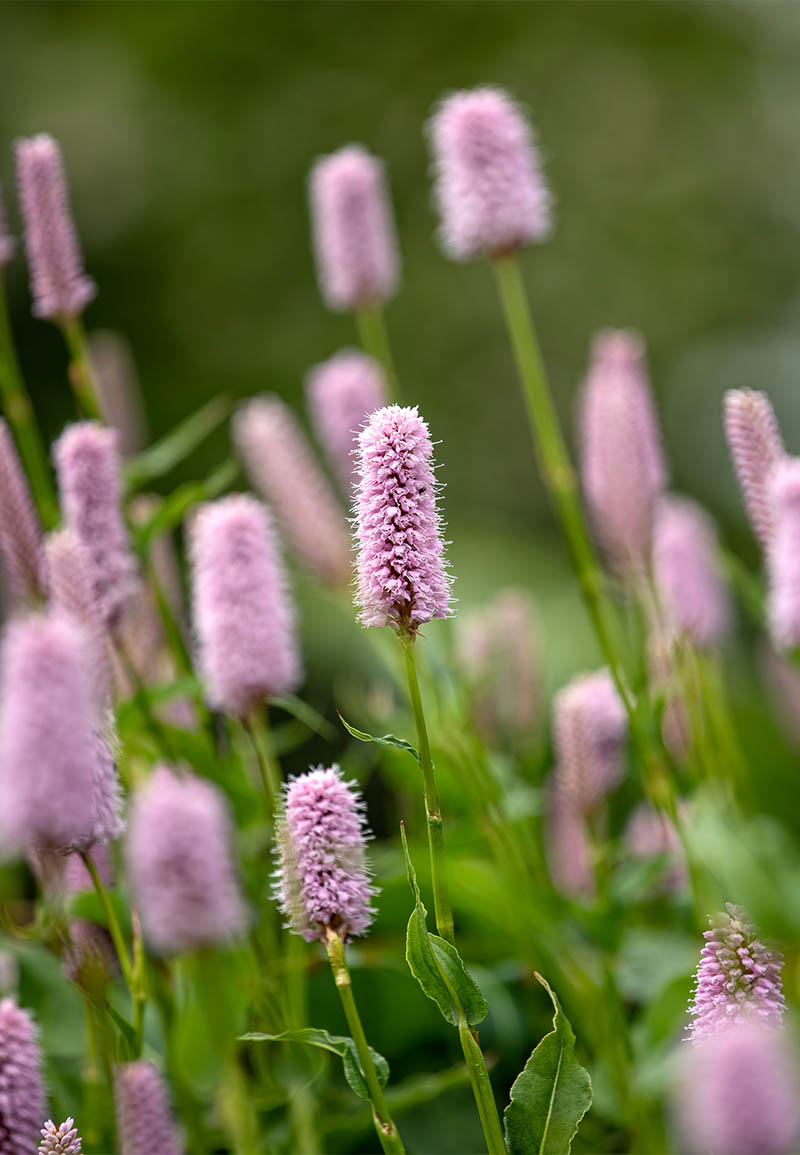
x: 126, y: 1030
x: 386, y: 740
x: 341, y: 1045
x: 551, y: 1094
x: 176, y: 445
x: 172, y: 510
x: 437, y: 966
x: 306, y: 714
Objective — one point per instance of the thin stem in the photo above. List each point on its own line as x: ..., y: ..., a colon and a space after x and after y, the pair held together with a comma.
x: 139, y: 977
x: 81, y: 372
x: 140, y: 697
x: 481, y: 1088
x: 257, y: 728
x: 443, y: 911
x: 386, y: 1131
x: 111, y: 918
x: 375, y: 341
x: 18, y: 410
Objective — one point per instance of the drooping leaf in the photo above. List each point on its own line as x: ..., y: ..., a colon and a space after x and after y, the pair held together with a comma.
x: 341, y: 1045
x: 551, y: 1094
x: 385, y: 740
x: 437, y: 966
x: 175, y: 446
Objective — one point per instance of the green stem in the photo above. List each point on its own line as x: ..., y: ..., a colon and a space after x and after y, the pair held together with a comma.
x: 375, y: 341
x: 385, y: 1129
x: 443, y: 911
x: 18, y: 410
x: 113, y: 925
x: 257, y: 728
x: 139, y: 977
x: 81, y: 371
x: 481, y: 1087
x: 159, y: 734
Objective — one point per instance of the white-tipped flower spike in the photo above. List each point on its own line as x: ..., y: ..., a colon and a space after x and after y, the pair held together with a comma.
x: 756, y: 447
x: 282, y: 467
x: 688, y: 574
x: 89, y: 481
x: 20, y: 531
x: 61, y: 1140
x: 402, y: 573
x: 61, y: 289
x: 243, y: 615
x: 353, y: 230
x: 341, y: 393
x: 783, y: 557
x: 622, y: 464
x: 118, y: 391
x: 490, y: 191
x: 589, y: 727
x: 7, y: 244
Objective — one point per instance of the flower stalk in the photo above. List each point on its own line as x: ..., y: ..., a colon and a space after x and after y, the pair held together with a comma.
x: 374, y: 340
x: 81, y: 371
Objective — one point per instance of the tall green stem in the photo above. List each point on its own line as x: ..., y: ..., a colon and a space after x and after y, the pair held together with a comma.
x: 441, y: 896
x: 257, y: 727
x: 17, y: 408
x: 113, y: 924
x: 375, y: 341
x: 385, y: 1129
x: 81, y: 371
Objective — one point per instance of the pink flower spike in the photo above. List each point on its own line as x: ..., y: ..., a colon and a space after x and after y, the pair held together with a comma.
x: 491, y: 194
x: 353, y: 230
x: 22, y: 1098
x: 7, y: 244
x: 783, y: 557
x: 688, y: 573
x: 20, y: 531
x: 341, y: 393
x: 145, y: 1124
x: 755, y: 444
x: 589, y: 728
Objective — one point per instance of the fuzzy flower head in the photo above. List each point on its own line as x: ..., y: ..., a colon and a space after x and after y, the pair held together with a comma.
x: 181, y: 865
x: 70, y: 591
x: 22, y: 1101
x: 283, y: 469
x: 145, y: 1124
x: 354, y: 237
x: 341, y: 393
x: 784, y: 555
x: 243, y: 614
x: 491, y: 193
x: 402, y: 573
x: 756, y: 447
x: 737, y: 978
x: 569, y: 851
x: 47, y: 739
x: 61, y: 289
x: 737, y: 1094
x: 88, y: 467
x: 622, y: 464
x: 687, y: 572
x: 20, y: 531
x: 322, y: 878
x: 61, y: 1140
x: 7, y: 245
x: 589, y: 727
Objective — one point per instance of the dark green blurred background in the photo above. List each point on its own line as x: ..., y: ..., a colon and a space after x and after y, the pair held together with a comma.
x: 670, y: 135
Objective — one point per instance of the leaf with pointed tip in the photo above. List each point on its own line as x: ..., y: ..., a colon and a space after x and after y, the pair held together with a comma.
x: 175, y: 446
x: 172, y: 510
x: 386, y: 740
x: 341, y: 1045
x: 551, y: 1094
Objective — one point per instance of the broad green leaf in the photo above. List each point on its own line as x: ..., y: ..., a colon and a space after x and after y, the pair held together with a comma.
x: 386, y: 740
x: 551, y: 1094
x: 341, y: 1045
x: 175, y: 446
x: 172, y: 510
x: 437, y: 966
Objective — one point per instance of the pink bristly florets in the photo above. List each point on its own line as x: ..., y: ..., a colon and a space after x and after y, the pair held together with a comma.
x: 688, y: 573
x: 341, y: 393
x: 589, y: 727
x: 783, y: 555
x: 22, y: 1099
x: 490, y: 190
x: 322, y: 879
x: 402, y: 574
x: 61, y: 1140
x: 755, y: 445
x: 353, y: 230
x: 145, y: 1124
x: 7, y: 245
x: 243, y: 614
x: 20, y: 531
x: 61, y: 289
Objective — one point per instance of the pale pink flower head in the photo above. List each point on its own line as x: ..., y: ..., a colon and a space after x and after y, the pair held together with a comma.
x: 589, y: 728
x: 89, y: 481
x: 145, y: 1123
x: 341, y: 393
x: 402, y: 573
x: 61, y: 289
x: 22, y: 1098
x: 569, y: 851
x: 243, y: 614
x: 622, y: 465
x: 688, y: 574
x: 737, y: 1093
x: 322, y: 878
x: 20, y: 531
x: 353, y: 230
x: 70, y: 591
x: 283, y: 469
x: 61, y: 1140
x: 7, y: 244
x: 783, y: 557
x: 738, y: 978
x: 181, y: 865
x: 756, y: 447
x: 491, y: 193
x: 48, y: 752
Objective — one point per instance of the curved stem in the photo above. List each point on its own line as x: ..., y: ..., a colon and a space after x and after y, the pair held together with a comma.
x: 113, y: 925
x: 257, y: 727
x: 81, y: 371
x: 375, y: 342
